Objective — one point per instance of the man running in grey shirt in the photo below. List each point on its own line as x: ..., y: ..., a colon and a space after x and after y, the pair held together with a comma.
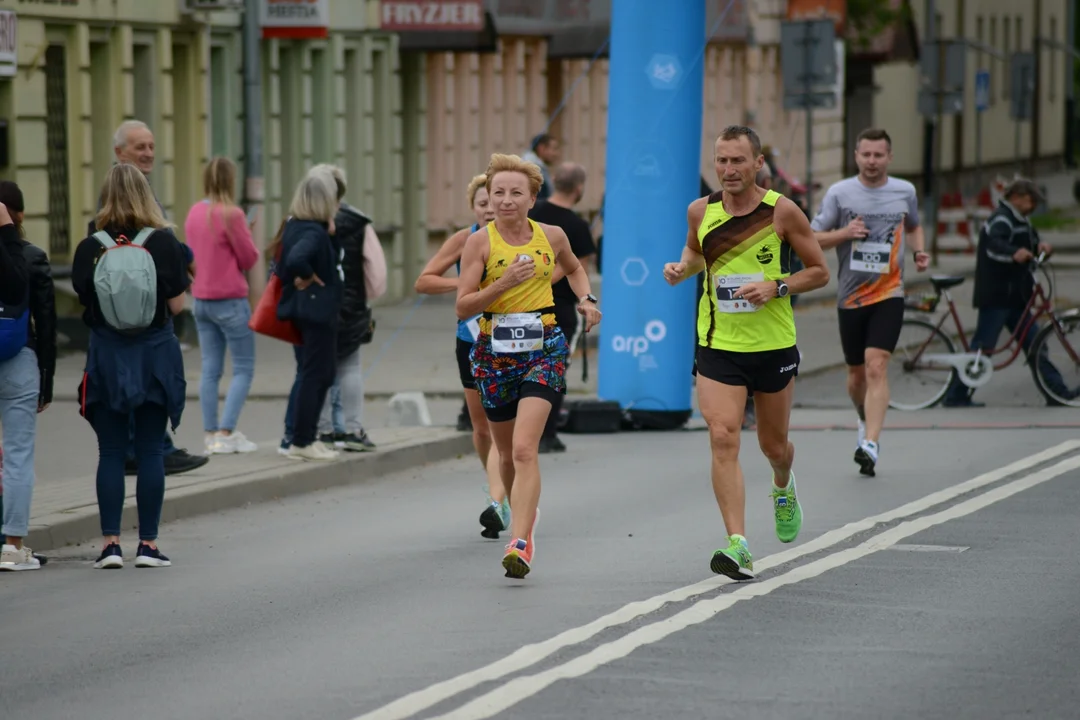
x: 866, y: 218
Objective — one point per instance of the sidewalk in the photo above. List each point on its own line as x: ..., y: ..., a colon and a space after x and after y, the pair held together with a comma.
x: 65, y: 509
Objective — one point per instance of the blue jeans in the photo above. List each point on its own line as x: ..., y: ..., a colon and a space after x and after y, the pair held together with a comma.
x: 19, y: 387
x: 290, y: 408
x: 343, y: 411
x: 221, y: 324
x: 150, y: 424
x: 988, y: 329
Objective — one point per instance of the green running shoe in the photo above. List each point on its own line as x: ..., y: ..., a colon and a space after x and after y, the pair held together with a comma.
x: 788, y: 512
x: 504, y: 513
x: 735, y: 560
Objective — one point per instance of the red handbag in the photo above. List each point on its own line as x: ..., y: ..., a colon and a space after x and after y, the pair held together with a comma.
x: 265, y: 320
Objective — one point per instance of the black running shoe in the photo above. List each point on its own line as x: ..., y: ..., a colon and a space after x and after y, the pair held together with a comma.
x: 111, y: 558
x: 149, y: 557
x: 492, y: 522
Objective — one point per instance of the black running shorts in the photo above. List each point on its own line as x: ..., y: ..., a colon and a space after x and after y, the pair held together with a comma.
x: 769, y: 371
x: 871, y: 326
x: 464, y: 365
x: 505, y: 413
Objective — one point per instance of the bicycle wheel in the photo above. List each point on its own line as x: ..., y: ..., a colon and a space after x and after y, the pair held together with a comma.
x: 1057, y: 371
x: 915, y: 383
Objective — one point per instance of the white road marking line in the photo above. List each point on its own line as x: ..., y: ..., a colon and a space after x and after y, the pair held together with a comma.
x: 529, y: 655
x: 931, y: 548
x: 518, y: 689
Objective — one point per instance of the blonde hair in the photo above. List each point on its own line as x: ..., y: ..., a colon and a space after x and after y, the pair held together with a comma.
x: 336, y: 174
x: 315, y: 198
x: 480, y: 181
x: 512, y: 163
x: 219, y: 181
x: 128, y: 202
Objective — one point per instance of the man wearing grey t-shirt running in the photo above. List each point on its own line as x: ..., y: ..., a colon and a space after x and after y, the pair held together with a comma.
x: 870, y: 219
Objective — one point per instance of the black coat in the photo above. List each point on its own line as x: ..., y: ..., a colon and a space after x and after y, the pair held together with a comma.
x: 1000, y: 281
x: 355, y: 323
x: 42, y: 315
x: 307, y: 248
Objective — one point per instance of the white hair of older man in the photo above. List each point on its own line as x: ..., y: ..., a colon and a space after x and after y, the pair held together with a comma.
x: 121, y: 137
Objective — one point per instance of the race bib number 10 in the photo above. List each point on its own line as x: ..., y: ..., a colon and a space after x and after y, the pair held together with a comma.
x: 870, y: 257
x: 517, y: 333
x: 727, y: 285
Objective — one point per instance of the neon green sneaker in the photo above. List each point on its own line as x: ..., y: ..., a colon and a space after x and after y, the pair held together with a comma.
x: 735, y: 560
x: 788, y: 512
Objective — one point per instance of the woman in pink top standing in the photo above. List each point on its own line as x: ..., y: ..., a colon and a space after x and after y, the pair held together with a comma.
x: 220, y: 239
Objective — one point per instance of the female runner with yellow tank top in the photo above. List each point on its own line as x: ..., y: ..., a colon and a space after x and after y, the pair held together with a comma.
x: 519, y: 358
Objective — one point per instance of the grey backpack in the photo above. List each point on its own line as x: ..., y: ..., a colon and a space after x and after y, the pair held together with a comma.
x: 125, y: 281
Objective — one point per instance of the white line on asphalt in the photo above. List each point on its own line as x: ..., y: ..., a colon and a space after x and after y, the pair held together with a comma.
x: 530, y: 655
x: 518, y: 689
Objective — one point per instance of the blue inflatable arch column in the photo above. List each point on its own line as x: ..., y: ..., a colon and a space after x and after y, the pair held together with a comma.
x: 653, y: 173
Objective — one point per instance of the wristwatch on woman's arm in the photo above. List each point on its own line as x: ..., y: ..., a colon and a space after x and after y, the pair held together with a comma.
x: 591, y: 298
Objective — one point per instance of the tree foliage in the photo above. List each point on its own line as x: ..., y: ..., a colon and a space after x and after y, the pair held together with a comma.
x: 866, y: 19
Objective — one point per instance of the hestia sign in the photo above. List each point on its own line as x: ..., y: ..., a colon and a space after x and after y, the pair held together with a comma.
x: 295, y: 19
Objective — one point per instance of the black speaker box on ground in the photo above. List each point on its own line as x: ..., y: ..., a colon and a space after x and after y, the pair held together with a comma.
x: 589, y: 416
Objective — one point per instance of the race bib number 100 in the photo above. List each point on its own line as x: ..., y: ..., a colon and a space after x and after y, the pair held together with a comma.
x: 727, y: 285
x: 517, y: 333
x: 870, y: 257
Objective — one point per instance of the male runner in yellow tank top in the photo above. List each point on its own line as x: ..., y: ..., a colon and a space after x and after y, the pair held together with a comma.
x: 744, y: 236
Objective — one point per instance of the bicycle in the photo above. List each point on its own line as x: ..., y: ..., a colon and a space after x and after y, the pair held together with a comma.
x: 926, y: 356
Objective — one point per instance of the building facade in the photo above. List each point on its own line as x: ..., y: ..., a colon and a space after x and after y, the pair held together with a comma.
x: 887, y: 93
x: 411, y: 113
x: 547, y: 70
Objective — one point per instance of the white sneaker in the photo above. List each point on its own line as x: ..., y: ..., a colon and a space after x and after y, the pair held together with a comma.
x: 209, y: 443
x: 314, y: 451
x: 234, y: 442
x: 240, y: 443
x: 862, y: 435
x: 13, y: 558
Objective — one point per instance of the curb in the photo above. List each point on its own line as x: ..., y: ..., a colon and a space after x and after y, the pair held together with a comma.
x: 78, y: 525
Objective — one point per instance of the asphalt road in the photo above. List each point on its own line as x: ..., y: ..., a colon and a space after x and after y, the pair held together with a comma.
x: 334, y: 605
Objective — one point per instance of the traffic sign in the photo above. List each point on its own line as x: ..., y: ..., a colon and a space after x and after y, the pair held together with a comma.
x: 982, y: 90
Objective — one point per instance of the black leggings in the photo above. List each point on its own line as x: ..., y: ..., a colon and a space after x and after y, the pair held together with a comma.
x: 316, y: 371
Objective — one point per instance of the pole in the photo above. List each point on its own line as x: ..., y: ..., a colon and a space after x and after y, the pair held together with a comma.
x: 978, y: 150
x: 808, y: 63
x: 929, y: 135
x: 1070, y: 91
x: 254, y: 191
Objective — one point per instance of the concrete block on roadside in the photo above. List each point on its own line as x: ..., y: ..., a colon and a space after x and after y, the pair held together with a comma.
x: 409, y: 409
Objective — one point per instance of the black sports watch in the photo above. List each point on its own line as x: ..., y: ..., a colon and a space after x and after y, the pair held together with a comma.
x: 591, y: 298
x: 782, y: 289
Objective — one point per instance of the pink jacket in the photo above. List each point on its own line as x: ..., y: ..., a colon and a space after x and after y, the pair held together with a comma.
x: 221, y: 241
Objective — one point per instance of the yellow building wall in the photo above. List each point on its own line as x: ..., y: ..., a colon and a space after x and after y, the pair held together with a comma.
x: 1008, y: 26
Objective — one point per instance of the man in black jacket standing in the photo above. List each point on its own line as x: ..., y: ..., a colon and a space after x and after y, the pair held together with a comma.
x: 1003, y: 280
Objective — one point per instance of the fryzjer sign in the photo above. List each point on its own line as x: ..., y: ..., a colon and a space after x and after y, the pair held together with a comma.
x: 295, y: 19
x: 432, y: 15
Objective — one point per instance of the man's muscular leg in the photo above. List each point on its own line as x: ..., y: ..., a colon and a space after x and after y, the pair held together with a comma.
x: 722, y: 407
